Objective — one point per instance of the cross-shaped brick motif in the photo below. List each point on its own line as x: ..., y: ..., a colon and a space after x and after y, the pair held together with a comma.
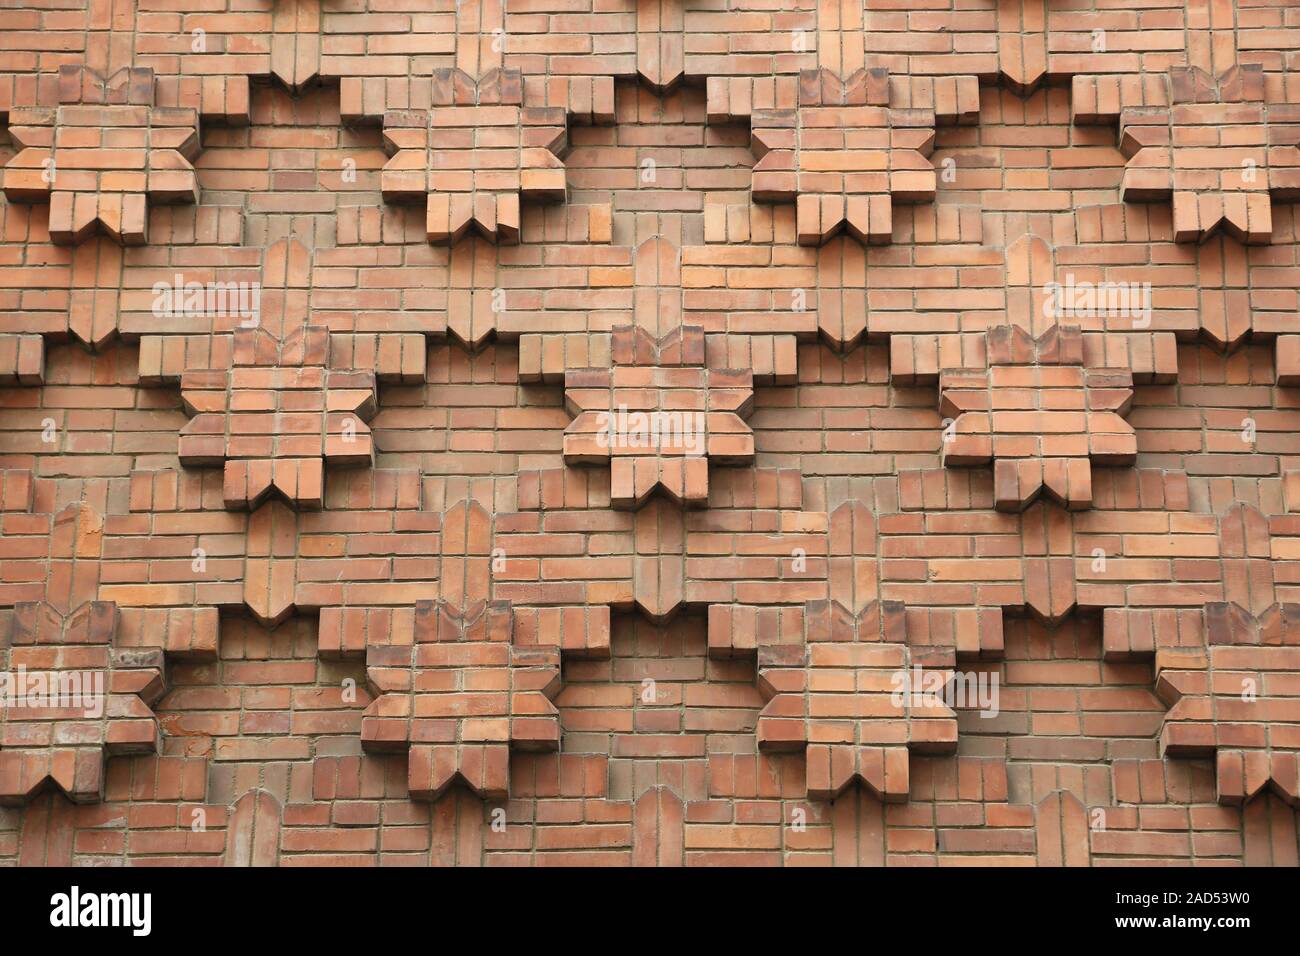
x: 662, y: 558
x: 1223, y: 644
x: 660, y: 415
x: 1236, y: 699
x: 460, y: 689
x: 854, y: 681
x: 69, y: 696
x: 460, y: 697
x: 71, y: 700
x: 277, y: 417
x: 272, y: 383
x: 1235, y: 572
x: 282, y: 409
x: 844, y: 156
x: 1211, y: 145
x: 473, y: 155
x: 848, y: 696
x: 103, y: 156
x: 1226, y: 666
x: 1041, y: 416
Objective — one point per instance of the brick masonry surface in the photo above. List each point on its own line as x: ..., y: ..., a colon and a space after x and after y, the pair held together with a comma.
x: 650, y: 432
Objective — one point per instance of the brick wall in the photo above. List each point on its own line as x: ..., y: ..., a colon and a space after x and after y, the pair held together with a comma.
x: 977, y: 322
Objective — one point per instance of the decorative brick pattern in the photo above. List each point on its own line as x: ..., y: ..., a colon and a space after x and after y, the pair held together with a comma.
x: 460, y: 697
x: 75, y: 701
x: 840, y: 153
x: 684, y: 434
x: 103, y: 155
x: 659, y: 415
x: 1217, y: 150
x: 474, y: 156
x: 1234, y: 700
x: 276, y: 422
x: 280, y: 413
x: 1039, y: 415
x: 835, y: 695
